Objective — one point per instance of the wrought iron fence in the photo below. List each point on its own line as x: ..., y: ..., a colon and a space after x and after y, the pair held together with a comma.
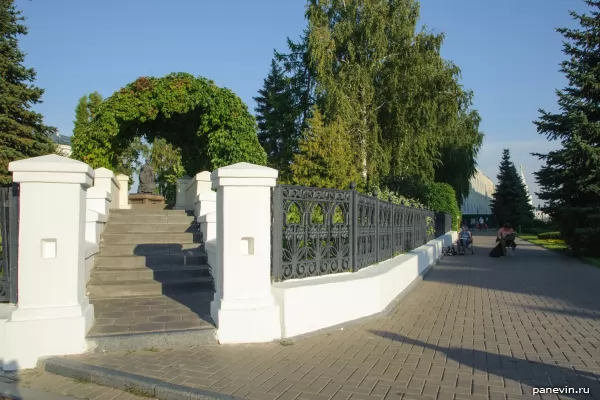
x: 325, y: 231
x: 9, y: 229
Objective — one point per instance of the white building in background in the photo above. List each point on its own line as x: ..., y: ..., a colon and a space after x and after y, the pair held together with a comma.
x: 480, y: 195
x: 63, y: 143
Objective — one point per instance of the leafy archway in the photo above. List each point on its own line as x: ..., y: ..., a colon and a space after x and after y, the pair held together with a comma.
x: 211, y: 125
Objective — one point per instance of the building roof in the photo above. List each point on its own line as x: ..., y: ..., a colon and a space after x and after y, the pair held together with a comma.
x: 61, y: 139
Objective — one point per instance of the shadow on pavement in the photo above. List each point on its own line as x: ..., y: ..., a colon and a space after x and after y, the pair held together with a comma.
x: 529, y: 374
x: 553, y: 282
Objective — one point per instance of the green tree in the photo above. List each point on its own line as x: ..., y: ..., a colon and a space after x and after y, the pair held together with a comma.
x: 399, y: 99
x: 22, y: 131
x: 276, y: 115
x: 87, y: 110
x: 211, y: 125
x: 165, y: 160
x: 510, y: 202
x: 570, y: 179
x: 441, y: 197
x: 458, y: 154
x: 301, y: 77
x: 326, y: 158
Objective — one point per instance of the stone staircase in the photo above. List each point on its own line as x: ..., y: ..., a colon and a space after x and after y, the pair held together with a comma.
x: 151, y: 285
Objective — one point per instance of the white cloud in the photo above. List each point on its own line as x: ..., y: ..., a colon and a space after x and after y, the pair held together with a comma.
x: 491, y: 153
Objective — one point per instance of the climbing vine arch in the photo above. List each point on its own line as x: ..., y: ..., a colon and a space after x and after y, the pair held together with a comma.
x: 211, y: 125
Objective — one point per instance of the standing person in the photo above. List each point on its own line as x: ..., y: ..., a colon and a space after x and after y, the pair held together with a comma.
x: 481, y: 223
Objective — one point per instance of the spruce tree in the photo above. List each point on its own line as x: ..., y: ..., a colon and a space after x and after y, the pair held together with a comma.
x: 22, y: 131
x: 277, y: 116
x: 327, y: 156
x: 510, y: 202
x: 570, y: 179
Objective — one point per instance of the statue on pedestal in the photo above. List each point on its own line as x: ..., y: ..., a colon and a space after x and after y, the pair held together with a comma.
x: 147, y: 182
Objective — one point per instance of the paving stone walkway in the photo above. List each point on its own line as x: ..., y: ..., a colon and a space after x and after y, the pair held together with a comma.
x: 40, y: 385
x: 475, y: 328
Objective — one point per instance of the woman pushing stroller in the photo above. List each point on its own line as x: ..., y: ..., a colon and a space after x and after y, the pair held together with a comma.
x: 505, y: 239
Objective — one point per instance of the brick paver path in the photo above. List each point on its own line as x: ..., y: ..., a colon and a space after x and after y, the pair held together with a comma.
x: 476, y: 328
x: 39, y: 385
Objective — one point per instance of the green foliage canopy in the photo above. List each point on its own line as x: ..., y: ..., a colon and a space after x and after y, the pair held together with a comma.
x: 211, y: 125
x: 441, y: 197
x: 22, y: 131
x: 326, y: 158
x: 366, y: 66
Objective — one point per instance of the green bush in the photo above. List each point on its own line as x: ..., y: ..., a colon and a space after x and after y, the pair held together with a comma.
x: 395, y: 198
x: 441, y: 197
x: 549, y: 236
x: 536, y: 231
x: 538, y: 226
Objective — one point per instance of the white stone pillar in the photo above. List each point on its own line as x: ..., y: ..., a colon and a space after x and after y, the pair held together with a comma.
x: 208, y: 226
x: 180, y: 196
x: 204, y: 186
x: 104, y: 179
x: 53, y: 313
x: 98, y: 200
x: 123, y: 192
x: 206, y: 204
x: 244, y: 308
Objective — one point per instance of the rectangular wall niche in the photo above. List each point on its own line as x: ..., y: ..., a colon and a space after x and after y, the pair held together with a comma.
x: 247, y: 246
x: 48, y: 248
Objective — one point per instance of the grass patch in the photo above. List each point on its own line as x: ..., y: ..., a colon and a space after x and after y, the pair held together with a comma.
x: 595, y: 261
x: 134, y: 390
x: 557, y: 245
x: 152, y: 350
x: 550, y: 244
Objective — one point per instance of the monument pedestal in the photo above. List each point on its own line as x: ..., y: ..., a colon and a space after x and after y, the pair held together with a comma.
x: 146, y: 198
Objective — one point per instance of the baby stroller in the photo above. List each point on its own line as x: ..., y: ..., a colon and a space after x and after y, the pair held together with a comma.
x: 503, y: 244
x: 449, y: 251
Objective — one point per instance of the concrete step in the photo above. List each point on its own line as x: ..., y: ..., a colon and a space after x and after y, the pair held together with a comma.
x: 160, y: 274
x: 151, y: 207
x: 149, y: 288
x: 150, y: 212
x: 151, y: 249
x: 120, y: 262
x: 150, y: 219
x: 136, y: 227
x: 152, y: 238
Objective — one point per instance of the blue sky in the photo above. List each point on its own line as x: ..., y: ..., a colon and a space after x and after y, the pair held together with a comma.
x: 508, y: 51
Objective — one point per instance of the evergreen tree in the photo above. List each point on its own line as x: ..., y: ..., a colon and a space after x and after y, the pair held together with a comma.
x: 276, y: 115
x: 296, y: 63
x: 22, y: 131
x: 86, y: 110
x: 326, y: 158
x: 570, y: 178
x: 510, y: 202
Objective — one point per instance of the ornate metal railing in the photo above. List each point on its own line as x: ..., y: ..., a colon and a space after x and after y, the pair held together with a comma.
x: 9, y: 233
x: 325, y: 231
